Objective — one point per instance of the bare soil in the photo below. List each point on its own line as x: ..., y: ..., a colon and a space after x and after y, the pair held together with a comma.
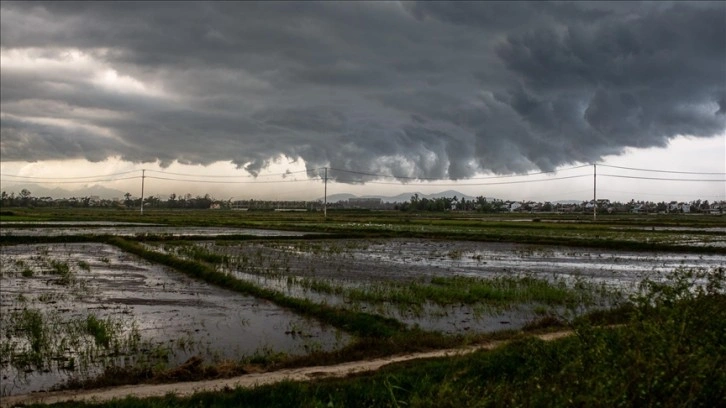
x: 248, y: 380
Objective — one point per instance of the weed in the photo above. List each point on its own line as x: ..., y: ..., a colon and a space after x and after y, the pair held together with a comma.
x: 63, y: 270
x: 100, y: 330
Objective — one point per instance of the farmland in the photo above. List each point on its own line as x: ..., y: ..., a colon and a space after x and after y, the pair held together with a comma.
x: 105, y: 297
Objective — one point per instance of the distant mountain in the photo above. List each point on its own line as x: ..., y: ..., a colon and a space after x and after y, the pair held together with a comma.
x: 400, y: 198
x: 334, y: 198
x: 450, y: 193
x: 40, y: 191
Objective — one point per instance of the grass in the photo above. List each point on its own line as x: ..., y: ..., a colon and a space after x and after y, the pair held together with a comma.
x: 63, y: 271
x: 33, y: 339
x: 498, y: 291
x: 100, y: 330
x: 31, y: 324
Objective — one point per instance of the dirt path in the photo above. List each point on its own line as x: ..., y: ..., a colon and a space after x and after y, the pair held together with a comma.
x: 247, y: 380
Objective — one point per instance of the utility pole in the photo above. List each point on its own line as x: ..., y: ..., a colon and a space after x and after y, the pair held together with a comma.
x: 594, y: 191
x: 325, y: 202
x: 143, y: 176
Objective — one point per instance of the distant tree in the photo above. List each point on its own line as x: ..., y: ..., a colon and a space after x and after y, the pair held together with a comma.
x: 128, y: 201
x: 25, y: 196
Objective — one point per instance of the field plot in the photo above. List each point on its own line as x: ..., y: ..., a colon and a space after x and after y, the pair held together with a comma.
x: 54, y: 229
x: 555, y: 231
x: 406, y: 259
x: 71, y: 310
x: 450, y: 286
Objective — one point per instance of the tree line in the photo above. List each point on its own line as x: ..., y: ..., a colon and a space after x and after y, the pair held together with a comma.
x: 416, y: 204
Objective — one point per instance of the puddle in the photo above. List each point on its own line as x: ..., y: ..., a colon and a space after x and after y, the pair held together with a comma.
x: 172, y: 315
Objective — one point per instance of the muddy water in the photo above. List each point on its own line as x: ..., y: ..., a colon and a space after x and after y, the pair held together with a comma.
x: 356, y: 263
x: 129, y: 229
x: 398, y: 259
x: 170, y: 311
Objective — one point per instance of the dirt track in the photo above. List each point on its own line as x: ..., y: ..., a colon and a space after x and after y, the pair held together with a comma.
x: 247, y: 380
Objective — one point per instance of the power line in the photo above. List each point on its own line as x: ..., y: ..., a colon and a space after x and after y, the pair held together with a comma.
x: 107, y: 177
x: 663, y: 171
x: 228, y: 176
x: 82, y: 181
x: 380, y: 175
x: 661, y: 178
x: 479, y: 184
x: 72, y: 177
x: 655, y: 194
x: 205, y: 178
x: 229, y: 182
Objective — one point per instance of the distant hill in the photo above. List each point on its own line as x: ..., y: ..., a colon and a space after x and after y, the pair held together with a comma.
x: 334, y: 198
x: 40, y: 191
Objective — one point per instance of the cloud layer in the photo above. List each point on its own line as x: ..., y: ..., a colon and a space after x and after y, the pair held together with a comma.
x: 429, y: 90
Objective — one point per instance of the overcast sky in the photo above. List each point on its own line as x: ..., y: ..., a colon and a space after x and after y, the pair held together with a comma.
x: 452, y: 90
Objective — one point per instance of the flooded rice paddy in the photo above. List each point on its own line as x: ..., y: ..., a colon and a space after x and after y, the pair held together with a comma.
x: 68, y: 228
x: 61, y: 295
x: 337, y: 271
x: 411, y: 259
x: 69, y: 311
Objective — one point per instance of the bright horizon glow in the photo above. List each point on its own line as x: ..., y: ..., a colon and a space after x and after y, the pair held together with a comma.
x: 682, y: 154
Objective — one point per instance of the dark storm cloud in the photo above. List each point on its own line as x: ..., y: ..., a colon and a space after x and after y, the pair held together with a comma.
x: 415, y: 89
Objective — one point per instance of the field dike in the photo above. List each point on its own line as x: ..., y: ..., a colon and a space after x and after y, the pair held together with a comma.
x: 248, y: 380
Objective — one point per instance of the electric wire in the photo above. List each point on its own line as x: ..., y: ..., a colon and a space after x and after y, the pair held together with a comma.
x: 192, y: 178
x: 72, y: 177
x: 86, y: 181
x: 229, y: 182
x: 660, y: 178
x: 605, y: 190
x: 662, y: 171
x: 446, y: 179
x: 480, y: 184
x: 228, y: 176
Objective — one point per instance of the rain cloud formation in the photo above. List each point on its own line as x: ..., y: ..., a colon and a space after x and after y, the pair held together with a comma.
x: 416, y: 89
